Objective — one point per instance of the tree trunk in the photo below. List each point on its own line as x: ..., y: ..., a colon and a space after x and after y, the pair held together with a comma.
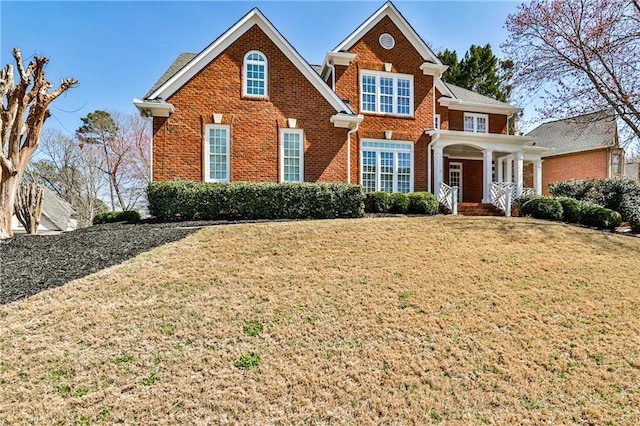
x: 28, y: 206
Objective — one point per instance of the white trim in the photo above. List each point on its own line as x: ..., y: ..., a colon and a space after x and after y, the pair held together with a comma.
x: 435, y: 70
x: 335, y: 58
x: 394, y: 77
x: 153, y: 108
x: 346, y: 121
x: 475, y: 117
x: 207, y: 153
x: 388, y: 9
x: 299, y: 132
x: 254, y: 17
x: 264, y: 63
x: 444, y: 90
x: 395, y: 152
x: 436, y: 122
x: 458, y: 105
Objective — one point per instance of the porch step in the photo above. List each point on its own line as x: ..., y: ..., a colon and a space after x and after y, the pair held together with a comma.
x: 478, y: 209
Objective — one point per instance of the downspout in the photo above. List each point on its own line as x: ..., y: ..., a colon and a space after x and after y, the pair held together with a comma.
x: 434, y: 139
x: 349, y: 133
x: 333, y: 75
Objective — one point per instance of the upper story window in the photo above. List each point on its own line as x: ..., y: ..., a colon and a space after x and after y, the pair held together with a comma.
x: 476, y: 123
x: 615, y: 163
x: 255, y: 74
x: 386, y: 93
x: 436, y: 121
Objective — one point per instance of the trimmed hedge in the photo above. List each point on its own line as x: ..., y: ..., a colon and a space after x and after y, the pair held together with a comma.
x: 111, y: 217
x: 412, y: 203
x: 600, y: 217
x: 542, y: 208
x: 581, y: 190
x: 572, y: 209
x: 187, y: 200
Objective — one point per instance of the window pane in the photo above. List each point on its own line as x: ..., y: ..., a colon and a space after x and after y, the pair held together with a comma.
x: 255, y: 74
x: 369, y: 171
x: 404, y: 172
x: 218, y: 155
x: 386, y: 95
x: 469, y: 123
x: 291, y: 158
x: 368, y: 93
x: 404, y: 96
x: 386, y: 171
x: 482, y: 124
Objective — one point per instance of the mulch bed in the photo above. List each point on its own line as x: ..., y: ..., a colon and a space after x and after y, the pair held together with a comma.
x: 30, y: 264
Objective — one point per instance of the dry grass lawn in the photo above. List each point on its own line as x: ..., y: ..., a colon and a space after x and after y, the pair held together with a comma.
x: 373, y: 321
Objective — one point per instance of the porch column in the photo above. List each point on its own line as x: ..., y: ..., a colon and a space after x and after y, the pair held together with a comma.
x: 509, y: 178
x: 488, y: 175
x: 537, y: 176
x: 500, y: 171
x: 518, y: 166
x: 438, y: 176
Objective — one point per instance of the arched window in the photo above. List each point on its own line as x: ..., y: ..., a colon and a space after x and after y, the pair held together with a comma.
x: 255, y: 74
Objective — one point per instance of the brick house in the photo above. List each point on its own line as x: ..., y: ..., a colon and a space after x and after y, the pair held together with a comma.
x: 375, y: 113
x: 582, y: 147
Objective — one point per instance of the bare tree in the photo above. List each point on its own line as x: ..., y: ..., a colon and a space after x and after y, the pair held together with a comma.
x: 124, y: 143
x: 583, y: 56
x: 24, y: 109
x: 28, y: 206
x: 74, y: 174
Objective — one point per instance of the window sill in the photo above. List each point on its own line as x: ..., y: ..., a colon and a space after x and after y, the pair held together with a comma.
x: 387, y: 115
x: 254, y: 98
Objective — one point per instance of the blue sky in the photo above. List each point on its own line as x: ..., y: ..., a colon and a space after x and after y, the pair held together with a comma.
x: 118, y: 49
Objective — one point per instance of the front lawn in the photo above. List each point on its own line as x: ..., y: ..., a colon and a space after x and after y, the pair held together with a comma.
x: 455, y: 320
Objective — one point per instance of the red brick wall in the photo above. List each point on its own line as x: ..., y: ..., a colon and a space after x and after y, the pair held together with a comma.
x: 405, y: 60
x: 585, y: 165
x: 178, y: 141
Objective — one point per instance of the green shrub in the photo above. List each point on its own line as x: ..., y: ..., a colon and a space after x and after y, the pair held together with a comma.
x: 111, y: 217
x: 186, y: 200
x: 542, y: 208
x: 582, y: 190
x: 399, y: 203
x: 377, y: 202
x: 423, y: 203
x: 518, y: 202
x: 600, y: 217
x: 571, y: 209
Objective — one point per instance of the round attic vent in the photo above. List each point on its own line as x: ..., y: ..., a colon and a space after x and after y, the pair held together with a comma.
x: 387, y: 41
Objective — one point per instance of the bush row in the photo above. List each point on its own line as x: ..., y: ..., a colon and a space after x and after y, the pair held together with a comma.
x: 411, y: 203
x: 111, y: 217
x: 187, y: 200
x: 569, y: 210
x: 621, y: 195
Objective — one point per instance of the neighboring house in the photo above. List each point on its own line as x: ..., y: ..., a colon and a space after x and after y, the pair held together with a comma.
x: 632, y: 170
x: 375, y: 113
x: 56, y: 215
x: 583, y: 147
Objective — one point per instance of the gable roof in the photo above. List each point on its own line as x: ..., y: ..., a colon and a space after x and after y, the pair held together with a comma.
x: 470, y: 96
x: 577, y: 134
x: 199, y: 61
x: 388, y: 9
x: 182, y: 60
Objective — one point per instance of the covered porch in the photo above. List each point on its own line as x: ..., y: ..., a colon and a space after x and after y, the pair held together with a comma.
x: 482, y: 167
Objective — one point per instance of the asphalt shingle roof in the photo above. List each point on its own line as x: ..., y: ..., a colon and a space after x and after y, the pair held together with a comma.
x: 473, y: 97
x: 576, y: 134
x: 182, y: 60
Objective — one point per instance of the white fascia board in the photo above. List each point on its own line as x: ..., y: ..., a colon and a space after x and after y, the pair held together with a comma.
x: 444, y: 89
x: 494, y: 141
x: 388, y: 9
x: 458, y: 105
x: 254, y: 17
x: 336, y: 58
x: 346, y: 121
x: 153, y: 108
x: 436, y: 70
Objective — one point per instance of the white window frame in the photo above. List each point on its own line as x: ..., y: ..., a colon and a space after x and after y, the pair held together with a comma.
x: 298, y: 132
x: 395, y: 152
x: 207, y: 152
x: 378, y: 95
x: 246, y: 62
x: 436, y: 121
x: 475, y: 117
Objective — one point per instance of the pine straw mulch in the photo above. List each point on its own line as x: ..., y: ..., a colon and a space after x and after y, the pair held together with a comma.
x: 375, y: 321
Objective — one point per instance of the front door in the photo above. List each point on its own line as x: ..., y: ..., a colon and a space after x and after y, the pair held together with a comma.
x: 455, y: 177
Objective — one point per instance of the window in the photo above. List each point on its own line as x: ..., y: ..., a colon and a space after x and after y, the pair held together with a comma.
x: 255, y: 74
x: 292, y: 155
x: 387, y: 166
x: 476, y: 123
x: 436, y: 121
x: 615, y: 163
x: 216, y: 158
x: 386, y: 93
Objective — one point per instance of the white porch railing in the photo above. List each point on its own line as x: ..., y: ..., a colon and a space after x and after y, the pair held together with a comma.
x: 529, y: 191
x: 501, y: 195
x: 448, y: 196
